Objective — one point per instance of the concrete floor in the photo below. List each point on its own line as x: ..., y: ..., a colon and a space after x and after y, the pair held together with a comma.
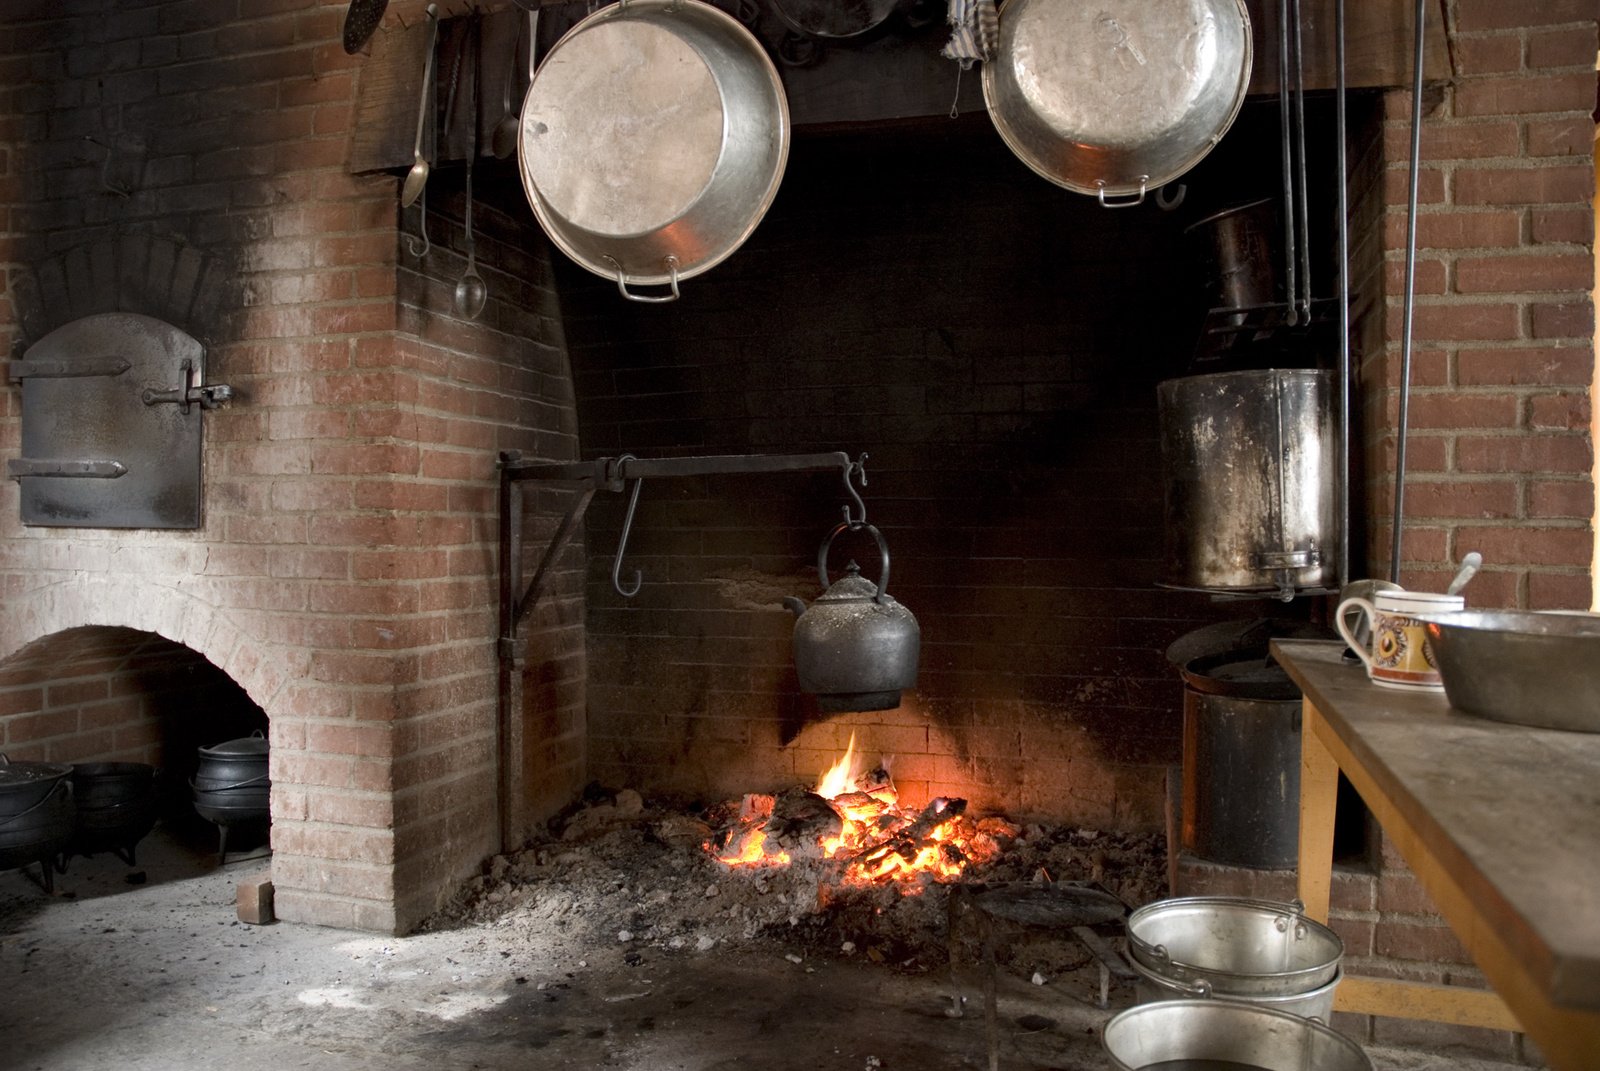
x: 112, y: 976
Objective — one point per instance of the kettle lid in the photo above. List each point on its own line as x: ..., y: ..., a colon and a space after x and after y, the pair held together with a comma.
x: 243, y: 747
x: 852, y: 585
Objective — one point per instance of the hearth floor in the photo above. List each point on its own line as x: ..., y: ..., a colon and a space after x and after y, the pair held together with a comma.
x: 112, y: 976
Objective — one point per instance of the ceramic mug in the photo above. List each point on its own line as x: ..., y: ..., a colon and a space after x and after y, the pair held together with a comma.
x: 1363, y: 589
x: 1399, y: 656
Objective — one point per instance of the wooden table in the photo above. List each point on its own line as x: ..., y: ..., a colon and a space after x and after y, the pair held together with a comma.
x: 1501, y: 824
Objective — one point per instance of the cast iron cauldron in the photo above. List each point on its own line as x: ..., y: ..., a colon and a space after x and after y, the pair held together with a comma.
x: 116, y: 807
x: 855, y: 648
x: 36, y: 814
x: 231, y: 785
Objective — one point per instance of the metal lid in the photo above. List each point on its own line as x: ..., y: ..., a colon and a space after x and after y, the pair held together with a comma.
x: 244, y: 747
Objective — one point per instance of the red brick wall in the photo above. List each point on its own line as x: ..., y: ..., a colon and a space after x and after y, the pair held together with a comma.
x: 344, y: 575
x: 1500, y: 449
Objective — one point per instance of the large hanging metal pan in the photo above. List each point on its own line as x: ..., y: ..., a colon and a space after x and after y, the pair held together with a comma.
x: 1117, y: 97
x: 653, y: 138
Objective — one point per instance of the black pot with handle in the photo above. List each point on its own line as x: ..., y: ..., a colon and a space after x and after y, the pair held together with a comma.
x: 116, y: 807
x: 36, y: 814
x: 231, y: 784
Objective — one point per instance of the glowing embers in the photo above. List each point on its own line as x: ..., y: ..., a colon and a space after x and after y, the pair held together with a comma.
x: 853, y: 825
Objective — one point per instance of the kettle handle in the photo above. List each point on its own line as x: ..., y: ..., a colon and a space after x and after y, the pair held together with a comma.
x: 883, y: 549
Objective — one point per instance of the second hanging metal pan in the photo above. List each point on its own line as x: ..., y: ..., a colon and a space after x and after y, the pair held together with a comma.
x: 653, y: 138
x: 1116, y: 98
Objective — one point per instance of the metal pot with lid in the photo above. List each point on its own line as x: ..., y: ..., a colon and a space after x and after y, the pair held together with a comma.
x: 231, y: 786
x: 855, y: 647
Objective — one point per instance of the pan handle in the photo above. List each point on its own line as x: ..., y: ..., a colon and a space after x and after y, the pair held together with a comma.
x: 622, y: 283
x: 1144, y: 184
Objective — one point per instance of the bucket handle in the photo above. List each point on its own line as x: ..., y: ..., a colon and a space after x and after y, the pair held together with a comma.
x: 1200, y: 988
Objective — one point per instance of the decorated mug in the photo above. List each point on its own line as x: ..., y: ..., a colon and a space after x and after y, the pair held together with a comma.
x: 1399, y: 656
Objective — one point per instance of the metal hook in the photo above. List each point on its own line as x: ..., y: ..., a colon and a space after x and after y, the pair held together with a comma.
x: 855, y: 468
x: 420, y: 250
x: 622, y: 544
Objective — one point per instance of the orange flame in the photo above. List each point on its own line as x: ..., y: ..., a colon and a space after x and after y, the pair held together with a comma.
x: 877, y: 840
x: 838, y: 778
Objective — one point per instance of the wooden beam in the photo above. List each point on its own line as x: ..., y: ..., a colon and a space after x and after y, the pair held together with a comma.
x: 1378, y: 44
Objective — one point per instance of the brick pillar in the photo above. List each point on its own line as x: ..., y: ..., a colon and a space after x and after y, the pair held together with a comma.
x: 1500, y: 448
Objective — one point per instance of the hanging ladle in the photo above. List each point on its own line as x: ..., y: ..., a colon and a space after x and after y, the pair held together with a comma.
x: 503, y: 140
x: 471, y: 293
x: 417, y: 177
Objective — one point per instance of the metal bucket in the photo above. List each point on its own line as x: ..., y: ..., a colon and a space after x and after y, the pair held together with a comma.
x: 1249, y: 466
x: 1228, y: 1032
x: 1238, y: 947
x: 1313, y: 1004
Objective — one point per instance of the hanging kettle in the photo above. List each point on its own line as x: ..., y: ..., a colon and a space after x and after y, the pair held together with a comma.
x: 855, y: 648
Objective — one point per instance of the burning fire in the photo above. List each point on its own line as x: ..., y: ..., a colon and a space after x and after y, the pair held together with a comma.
x: 854, y: 818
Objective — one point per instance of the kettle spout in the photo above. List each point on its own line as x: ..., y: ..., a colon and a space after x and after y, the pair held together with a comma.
x: 793, y: 605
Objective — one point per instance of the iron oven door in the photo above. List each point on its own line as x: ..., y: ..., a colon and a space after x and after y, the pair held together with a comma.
x: 110, y: 435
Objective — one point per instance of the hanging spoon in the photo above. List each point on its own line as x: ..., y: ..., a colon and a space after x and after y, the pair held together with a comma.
x: 417, y: 177
x: 471, y: 293
x: 1469, y: 567
x: 503, y: 141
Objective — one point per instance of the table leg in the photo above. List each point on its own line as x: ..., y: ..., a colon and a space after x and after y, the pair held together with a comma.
x: 1319, y: 791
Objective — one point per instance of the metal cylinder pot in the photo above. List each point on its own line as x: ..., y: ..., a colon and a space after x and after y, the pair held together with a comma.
x: 1227, y: 1032
x: 1248, y: 460
x: 1241, y: 779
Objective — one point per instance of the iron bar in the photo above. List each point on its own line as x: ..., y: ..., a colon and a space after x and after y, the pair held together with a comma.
x: 1286, y: 153
x: 1344, y: 294
x: 1410, y: 298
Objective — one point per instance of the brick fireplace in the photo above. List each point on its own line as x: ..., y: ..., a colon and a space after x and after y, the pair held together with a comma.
x: 991, y: 342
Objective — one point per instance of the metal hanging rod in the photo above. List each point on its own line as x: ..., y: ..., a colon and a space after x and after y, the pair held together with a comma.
x: 613, y: 474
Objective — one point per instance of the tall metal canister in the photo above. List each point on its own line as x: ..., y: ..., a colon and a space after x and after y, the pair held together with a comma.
x: 1241, y: 762
x: 1248, y: 460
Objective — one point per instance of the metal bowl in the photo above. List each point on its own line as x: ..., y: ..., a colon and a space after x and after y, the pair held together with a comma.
x: 1529, y: 667
x: 653, y: 138
x: 1120, y: 96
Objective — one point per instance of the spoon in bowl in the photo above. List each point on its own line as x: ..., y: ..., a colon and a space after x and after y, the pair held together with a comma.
x: 417, y: 177
x: 1469, y: 567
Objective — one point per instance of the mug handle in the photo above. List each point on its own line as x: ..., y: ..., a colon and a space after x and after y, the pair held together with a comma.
x: 1356, y: 603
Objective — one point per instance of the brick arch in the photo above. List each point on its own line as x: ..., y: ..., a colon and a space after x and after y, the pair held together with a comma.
x: 138, y: 603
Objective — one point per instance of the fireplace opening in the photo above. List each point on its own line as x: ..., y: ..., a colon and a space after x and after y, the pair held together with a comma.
x: 108, y: 700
